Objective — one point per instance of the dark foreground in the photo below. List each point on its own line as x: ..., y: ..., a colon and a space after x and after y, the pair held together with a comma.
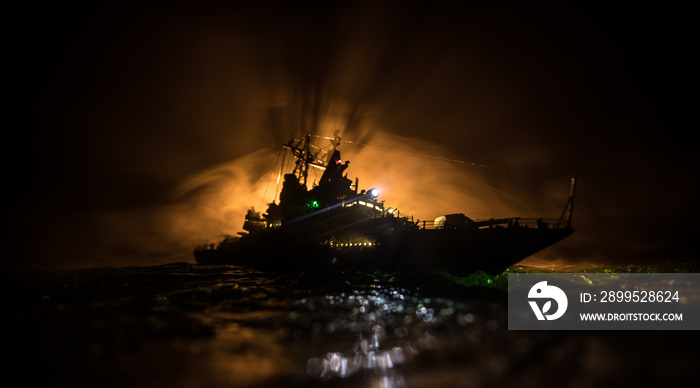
x: 181, y: 325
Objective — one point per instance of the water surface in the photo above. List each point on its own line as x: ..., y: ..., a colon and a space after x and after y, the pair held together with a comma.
x: 183, y: 325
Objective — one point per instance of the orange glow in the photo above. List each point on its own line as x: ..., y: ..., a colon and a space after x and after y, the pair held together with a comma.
x: 426, y: 187
x: 202, y: 209
x: 217, y: 199
x: 212, y: 204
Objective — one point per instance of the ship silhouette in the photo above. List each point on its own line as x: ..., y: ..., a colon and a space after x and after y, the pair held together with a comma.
x: 335, y: 226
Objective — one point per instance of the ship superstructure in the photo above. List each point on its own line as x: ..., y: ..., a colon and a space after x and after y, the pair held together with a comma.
x: 330, y: 223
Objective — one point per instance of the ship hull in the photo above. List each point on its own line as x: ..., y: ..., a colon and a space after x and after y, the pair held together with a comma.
x: 457, y: 251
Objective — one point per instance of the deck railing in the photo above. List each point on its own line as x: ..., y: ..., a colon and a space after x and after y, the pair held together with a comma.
x: 531, y: 223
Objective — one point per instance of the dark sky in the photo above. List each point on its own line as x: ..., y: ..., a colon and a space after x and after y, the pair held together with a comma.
x: 112, y: 109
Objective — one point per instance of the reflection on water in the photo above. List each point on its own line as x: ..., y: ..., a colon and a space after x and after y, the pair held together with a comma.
x: 222, y: 326
x: 390, y: 329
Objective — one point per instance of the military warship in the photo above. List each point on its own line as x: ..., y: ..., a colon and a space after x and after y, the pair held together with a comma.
x: 333, y: 225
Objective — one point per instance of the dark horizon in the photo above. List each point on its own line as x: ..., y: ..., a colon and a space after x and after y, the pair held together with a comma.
x: 126, y: 120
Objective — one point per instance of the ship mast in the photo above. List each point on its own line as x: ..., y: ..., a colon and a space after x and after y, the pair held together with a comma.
x: 569, y: 208
x: 301, y: 149
x: 306, y: 156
